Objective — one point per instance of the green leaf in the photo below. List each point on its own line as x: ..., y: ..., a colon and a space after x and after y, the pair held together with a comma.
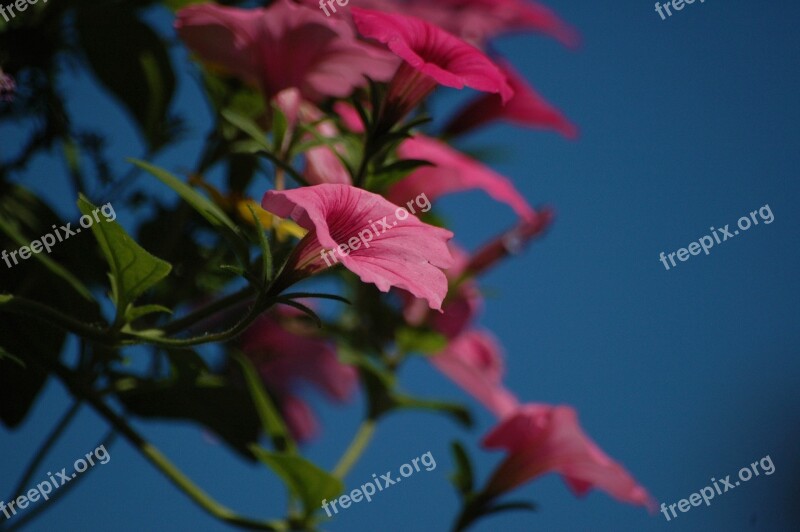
x: 266, y: 252
x: 223, y: 408
x: 8, y: 228
x: 394, y: 172
x: 175, y: 5
x: 204, y: 206
x: 509, y: 507
x: 187, y: 366
x: 134, y: 313
x: 8, y: 356
x: 249, y: 127
x: 462, y: 477
x: 271, y: 420
x: 417, y: 340
x: 305, y: 480
x: 133, y: 270
x: 302, y: 308
x: 138, y: 73
x: 457, y: 412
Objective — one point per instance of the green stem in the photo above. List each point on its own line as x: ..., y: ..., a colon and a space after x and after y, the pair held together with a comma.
x: 28, y: 307
x: 58, y: 495
x: 355, y: 449
x: 223, y: 336
x: 45, y: 448
x: 161, y: 462
x: 208, y: 311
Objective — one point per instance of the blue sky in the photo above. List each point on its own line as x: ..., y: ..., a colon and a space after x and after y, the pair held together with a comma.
x: 681, y: 375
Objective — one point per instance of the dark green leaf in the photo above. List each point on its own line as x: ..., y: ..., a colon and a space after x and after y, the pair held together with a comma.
x: 455, y: 411
x: 131, y: 61
x: 462, y: 477
x: 133, y: 270
x: 8, y: 228
x: 226, y: 410
x: 204, y: 206
x: 266, y: 252
x: 271, y: 420
x: 5, y: 355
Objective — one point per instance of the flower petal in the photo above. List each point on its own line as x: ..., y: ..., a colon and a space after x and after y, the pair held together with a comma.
x: 403, y: 252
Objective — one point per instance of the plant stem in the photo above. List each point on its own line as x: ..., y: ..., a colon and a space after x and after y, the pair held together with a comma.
x: 209, y: 310
x: 45, y: 448
x: 355, y: 449
x: 154, y: 456
x: 40, y: 509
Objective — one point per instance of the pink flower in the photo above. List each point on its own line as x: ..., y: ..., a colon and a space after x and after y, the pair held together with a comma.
x: 475, y: 21
x: 542, y: 439
x: 452, y: 172
x: 526, y: 108
x: 7, y: 87
x: 509, y: 243
x: 431, y: 56
x: 473, y: 361
x: 480, y: 20
x: 376, y: 240
x: 282, y: 46
x: 285, y: 353
x: 459, y: 309
x: 322, y: 164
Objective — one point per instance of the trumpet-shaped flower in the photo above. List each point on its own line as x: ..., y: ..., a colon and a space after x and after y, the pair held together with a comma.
x: 431, y: 57
x: 285, y: 353
x: 541, y: 439
x: 381, y: 243
x: 527, y: 108
x: 473, y: 361
x: 451, y: 172
x: 284, y: 45
x: 480, y: 20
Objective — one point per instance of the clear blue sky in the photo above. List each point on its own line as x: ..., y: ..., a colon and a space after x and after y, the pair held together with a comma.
x: 682, y: 375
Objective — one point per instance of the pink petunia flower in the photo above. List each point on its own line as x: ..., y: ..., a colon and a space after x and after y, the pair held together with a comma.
x: 322, y: 164
x: 431, y: 57
x: 381, y: 243
x: 480, y: 20
x: 286, y: 354
x: 284, y: 45
x: 473, y: 361
x: 511, y: 242
x: 453, y: 172
x: 475, y: 21
x: 7, y: 87
x: 527, y: 108
x: 542, y: 439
